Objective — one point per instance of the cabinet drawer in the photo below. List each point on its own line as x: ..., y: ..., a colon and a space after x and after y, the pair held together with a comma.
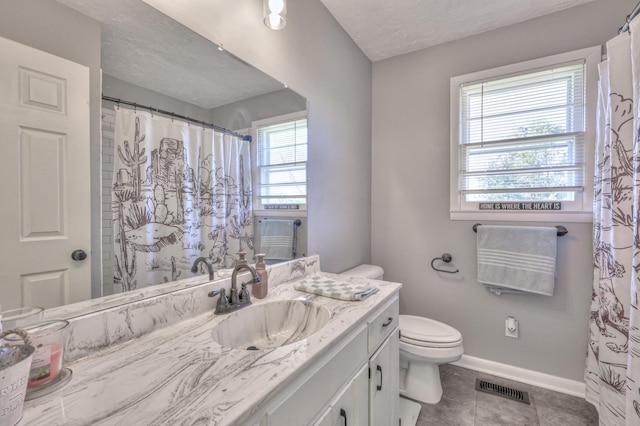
x: 381, y: 325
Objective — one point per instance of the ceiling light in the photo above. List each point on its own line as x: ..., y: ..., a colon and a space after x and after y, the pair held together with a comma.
x: 275, y: 13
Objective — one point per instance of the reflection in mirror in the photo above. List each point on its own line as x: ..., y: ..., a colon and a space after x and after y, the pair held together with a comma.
x: 190, y: 196
x: 174, y: 189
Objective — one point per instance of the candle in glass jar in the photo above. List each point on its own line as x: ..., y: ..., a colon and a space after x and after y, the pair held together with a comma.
x: 45, y: 364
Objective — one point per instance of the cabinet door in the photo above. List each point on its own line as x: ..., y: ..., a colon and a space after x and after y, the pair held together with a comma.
x: 351, y: 406
x: 384, y: 392
x: 325, y: 419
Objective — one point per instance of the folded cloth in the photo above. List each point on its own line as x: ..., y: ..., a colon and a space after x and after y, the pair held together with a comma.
x: 323, y: 285
x: 517, y: 259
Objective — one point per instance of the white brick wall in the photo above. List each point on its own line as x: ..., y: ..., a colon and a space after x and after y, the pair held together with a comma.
x: 108, y: 152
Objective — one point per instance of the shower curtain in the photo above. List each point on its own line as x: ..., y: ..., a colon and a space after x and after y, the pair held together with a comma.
x: 612, y: 373
x: 179, y: 192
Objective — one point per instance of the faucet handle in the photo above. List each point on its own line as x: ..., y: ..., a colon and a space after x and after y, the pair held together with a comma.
x: 251, y: 282
x: 223, y: 302
x: 214, y: 293
x: 244, y: 292
x: 245, y: 295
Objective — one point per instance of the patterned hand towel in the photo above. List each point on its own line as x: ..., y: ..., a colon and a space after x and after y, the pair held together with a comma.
x: 323, y: 285
x: 517, y: 259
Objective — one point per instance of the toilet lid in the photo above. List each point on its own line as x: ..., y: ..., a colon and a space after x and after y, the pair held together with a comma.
x: 420, y: 329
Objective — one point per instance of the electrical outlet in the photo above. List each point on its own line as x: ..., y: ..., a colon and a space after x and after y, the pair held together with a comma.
x: 511, y: 327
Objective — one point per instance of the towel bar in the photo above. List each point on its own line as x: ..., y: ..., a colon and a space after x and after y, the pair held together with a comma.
x: 561, y: 229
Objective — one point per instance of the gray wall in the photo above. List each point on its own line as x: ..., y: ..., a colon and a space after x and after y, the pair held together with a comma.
x: 410, y: 222
x: 121, y: 89
x: 315, y: 57
x: 49, y: 26
x: 239, y: 115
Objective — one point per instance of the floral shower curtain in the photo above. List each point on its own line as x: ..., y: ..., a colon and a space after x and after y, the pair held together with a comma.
x: 612, y: 373
x: 179, y: 192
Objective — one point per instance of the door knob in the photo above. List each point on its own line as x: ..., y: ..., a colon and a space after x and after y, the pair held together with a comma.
x: 78, y: 255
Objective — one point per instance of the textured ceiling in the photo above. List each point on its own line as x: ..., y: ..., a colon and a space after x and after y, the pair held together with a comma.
x: 386, y: 28
x: 145, y: 47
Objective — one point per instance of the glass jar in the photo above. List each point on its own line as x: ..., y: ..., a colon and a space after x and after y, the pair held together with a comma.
x: 21, y: 317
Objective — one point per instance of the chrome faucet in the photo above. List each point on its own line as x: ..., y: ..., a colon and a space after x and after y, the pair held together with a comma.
x: 204, y: 260
x: 235, y: 300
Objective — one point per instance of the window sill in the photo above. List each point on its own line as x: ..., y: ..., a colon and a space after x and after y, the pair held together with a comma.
x: 280, y: 213
x: 523, y: 216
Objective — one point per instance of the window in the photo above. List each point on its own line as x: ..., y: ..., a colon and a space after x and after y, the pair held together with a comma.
x: 520, y: 135
x: 281, y: 162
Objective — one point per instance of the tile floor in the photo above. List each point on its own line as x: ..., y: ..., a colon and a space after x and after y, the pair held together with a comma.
x: 462, y: 405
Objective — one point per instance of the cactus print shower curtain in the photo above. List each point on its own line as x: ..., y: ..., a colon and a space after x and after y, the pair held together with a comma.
x: 179, y: 192
x: 612, y: 373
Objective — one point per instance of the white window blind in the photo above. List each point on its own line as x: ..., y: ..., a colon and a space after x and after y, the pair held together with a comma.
x: 522, y: 137
x: 282, y: 163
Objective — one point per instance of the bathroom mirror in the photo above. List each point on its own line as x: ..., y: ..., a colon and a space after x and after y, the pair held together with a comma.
x: 151, y: 60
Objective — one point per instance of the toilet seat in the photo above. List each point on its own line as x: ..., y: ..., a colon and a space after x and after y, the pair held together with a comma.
x: 426, y: 332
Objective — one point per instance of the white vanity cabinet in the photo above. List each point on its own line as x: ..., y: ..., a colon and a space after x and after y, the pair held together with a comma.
x: 355, y: 384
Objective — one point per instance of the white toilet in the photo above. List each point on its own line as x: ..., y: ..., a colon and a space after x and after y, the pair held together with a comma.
x: 424, y: 345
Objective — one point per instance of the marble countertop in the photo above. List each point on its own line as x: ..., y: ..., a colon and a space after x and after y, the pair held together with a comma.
x: 179, y: 375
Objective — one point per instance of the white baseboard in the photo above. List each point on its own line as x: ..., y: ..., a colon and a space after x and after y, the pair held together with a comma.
x: 522, y: 375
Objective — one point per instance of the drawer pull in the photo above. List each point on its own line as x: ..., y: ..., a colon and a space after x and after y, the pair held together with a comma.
x: 389, y: 321
x: 343, y: 414
x: 379, y: 387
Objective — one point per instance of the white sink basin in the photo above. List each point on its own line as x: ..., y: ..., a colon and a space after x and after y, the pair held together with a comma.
x: 270, y: 325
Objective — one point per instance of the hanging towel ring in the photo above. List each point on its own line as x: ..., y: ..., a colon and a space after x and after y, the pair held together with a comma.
x: 446, y: 258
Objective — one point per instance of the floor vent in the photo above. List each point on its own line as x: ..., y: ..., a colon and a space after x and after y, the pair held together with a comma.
x: 504, y: 391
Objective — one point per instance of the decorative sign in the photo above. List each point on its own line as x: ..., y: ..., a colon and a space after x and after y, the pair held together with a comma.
x: 537, y: 205
x: 282, y: 206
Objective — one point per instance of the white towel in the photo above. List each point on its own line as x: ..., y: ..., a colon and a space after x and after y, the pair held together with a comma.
x: 323, y: 285
x: 517, y: 259
x: 276, y: 239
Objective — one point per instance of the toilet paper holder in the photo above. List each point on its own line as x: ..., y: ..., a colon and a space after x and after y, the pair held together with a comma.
x: 446, y: 258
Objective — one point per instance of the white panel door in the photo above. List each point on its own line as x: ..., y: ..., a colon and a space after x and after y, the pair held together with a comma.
x: 45, y: 191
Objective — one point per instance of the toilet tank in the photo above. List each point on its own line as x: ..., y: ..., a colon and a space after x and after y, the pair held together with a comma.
x: 373, y: 272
